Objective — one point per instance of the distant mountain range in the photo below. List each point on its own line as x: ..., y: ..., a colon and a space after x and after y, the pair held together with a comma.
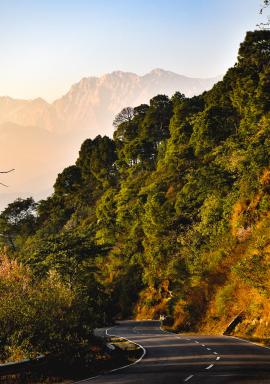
x: 39, y: 139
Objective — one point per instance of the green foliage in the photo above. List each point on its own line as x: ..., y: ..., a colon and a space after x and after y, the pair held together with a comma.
x: 40, y: 316
x: 152, y: 220
x: 223, y: 299
x: 18, y: 221
x: 68, y: 181
x: 96, y: 161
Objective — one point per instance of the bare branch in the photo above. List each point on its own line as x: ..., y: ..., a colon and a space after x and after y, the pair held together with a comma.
x: 264, y: 5
x: 8, y: 171
x: 124, y: 116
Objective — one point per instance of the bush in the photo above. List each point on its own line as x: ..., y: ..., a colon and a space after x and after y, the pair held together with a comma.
x: 223, y: 298
x: 39, y: 317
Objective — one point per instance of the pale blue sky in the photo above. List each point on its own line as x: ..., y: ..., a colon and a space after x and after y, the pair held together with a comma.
x: 45, y: 46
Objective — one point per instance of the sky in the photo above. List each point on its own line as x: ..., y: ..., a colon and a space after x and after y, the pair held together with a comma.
x: 46, y: 46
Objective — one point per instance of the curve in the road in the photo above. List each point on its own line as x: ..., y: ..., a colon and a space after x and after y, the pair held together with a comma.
x: 138, y: 345
x: 173, y: 358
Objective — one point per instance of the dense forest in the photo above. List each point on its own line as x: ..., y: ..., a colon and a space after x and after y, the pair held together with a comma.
x: 171, y: 216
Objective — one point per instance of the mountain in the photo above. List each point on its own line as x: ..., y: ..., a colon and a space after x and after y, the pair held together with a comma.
x: 35, y: 112
x: 40, y: 138
x: 92, y: 103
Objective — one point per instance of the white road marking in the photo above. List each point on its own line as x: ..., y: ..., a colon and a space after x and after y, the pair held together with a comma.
x: 83, y: 381
x: 135, y: 362
x: 125, y: 366
x: 188, y: 378
x: 218, y: 358
x: 210, y: 366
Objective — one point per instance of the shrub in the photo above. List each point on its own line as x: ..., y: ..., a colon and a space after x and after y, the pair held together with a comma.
x: 39, y: 317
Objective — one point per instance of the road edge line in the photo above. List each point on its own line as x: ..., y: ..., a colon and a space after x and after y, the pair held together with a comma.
x: 250, y: 342
x: 132, y: 342
x: 116, y: 369
x: 234, y: 337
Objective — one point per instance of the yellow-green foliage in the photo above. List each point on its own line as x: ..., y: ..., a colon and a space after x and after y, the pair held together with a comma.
x: 36, y: 316
x: 246, y: 289
x: 172, y: 215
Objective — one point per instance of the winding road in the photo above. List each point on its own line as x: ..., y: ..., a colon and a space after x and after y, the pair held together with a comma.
x: 172, y: 358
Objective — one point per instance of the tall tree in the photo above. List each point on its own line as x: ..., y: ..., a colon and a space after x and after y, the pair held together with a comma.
x: 124, y: 116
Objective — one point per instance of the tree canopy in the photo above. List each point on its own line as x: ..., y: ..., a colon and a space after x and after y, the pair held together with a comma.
x: 170, y: 216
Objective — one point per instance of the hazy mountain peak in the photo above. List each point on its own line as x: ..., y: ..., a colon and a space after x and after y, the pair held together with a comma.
x: 119, y: 74
x: 54, y: 132
x: 92, y: 103
x: 39, y: 101
x: 159, y: 72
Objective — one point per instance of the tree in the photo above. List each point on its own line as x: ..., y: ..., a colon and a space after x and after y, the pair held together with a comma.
x: 43, y: 316
x: 264, y: 5
x: 18, y: 219
x: 19, y: 212
x: 68, y: 181
x: 157, y: 218
x: 96, y: 161
x: 124, y: 116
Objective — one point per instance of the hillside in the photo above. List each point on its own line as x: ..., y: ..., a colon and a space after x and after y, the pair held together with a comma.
x: 59, y: 128
x: 171, y: 216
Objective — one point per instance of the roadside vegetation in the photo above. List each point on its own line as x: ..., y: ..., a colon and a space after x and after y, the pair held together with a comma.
x: 171, y: 216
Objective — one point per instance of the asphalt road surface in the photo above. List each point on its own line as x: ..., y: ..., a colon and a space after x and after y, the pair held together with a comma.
x: 172, y: 358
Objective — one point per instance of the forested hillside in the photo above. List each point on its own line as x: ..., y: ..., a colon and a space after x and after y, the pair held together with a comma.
x: 172, y: 216
x: 85, y: 111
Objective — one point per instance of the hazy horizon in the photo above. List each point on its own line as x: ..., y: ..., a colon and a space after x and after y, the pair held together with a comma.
x: 51, y: 45
x: 218, y: 76
x: 39, y: 139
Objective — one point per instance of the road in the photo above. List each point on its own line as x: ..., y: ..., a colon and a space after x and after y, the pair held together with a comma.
x: 172, y: 358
